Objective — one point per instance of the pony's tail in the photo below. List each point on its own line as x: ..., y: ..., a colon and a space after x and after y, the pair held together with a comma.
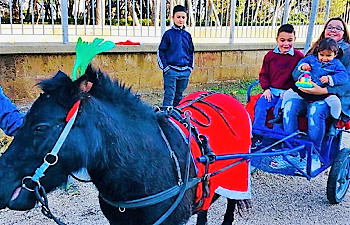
x: 243, y: 206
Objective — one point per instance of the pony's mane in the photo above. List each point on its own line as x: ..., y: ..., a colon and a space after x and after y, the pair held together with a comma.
x: 114, y: 91
x: 103, y: 89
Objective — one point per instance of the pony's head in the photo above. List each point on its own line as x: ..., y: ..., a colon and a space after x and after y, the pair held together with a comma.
x: 43, y: 125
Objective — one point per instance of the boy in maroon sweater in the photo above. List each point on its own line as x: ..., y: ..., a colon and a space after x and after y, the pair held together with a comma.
x: 275, y: 76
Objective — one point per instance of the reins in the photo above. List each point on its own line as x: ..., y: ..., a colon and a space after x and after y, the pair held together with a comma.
x: 42, y: 198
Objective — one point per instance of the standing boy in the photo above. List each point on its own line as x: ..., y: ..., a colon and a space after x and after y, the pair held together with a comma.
x: 175, y: 58
x: 275, y: 76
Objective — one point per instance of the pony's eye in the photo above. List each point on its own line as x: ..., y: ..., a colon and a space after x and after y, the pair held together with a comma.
x: 41, y: 128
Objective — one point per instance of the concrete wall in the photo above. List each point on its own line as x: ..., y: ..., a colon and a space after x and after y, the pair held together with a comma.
x: 23, y: 65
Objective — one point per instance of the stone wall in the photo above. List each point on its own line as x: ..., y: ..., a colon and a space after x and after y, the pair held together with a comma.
x: 21, y: 67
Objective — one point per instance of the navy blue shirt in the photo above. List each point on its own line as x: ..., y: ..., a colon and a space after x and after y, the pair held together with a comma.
x: 176, y: 50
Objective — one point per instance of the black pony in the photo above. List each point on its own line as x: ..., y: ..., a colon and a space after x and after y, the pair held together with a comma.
x: 115, y: 136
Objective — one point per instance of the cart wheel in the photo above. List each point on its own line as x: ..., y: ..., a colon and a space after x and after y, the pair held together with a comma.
x: 339, y: 177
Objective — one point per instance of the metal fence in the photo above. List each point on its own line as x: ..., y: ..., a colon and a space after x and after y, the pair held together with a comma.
x: 209, y: 21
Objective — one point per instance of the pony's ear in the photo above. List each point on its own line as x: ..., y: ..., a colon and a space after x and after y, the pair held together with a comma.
x: 82, y: 80
x: 52, y: 84
x: 91, y: 74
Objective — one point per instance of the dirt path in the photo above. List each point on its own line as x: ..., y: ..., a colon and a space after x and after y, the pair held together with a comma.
x: 276, y: 200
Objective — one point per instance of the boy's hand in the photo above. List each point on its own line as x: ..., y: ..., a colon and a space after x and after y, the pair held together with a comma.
x: 324, y: 79
x: 267, y: 95
x: 306, y: 66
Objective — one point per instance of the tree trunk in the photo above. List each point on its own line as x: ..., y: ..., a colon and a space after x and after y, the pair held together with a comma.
x: 156, y: 9
x: 216, y: 15
x: 275, y: 13
x: 257, y: 10
x: 100, y: 12
x: 190, y: 12
x: 133, y: 13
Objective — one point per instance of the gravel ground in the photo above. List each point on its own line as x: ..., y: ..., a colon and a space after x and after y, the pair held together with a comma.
x: 277, y: 199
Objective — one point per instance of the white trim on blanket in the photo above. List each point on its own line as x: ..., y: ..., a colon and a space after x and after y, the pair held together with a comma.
x: 237, y: 195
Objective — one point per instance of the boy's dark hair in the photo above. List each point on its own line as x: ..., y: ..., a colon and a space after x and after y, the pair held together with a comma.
x: 179, y: 8
x: 288, y: 28
x: 327, y: 44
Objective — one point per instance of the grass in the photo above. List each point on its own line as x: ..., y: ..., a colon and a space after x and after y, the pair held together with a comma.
x: 237, y: 89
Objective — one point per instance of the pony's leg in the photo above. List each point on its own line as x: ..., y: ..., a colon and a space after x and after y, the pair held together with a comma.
x: 202, y: 217
x: 229, y: 216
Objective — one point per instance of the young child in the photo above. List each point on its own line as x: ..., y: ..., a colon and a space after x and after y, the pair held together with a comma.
x: 275, y: 76
x: 11, y: 118
x: 325, y: 70
x: 175, y: 57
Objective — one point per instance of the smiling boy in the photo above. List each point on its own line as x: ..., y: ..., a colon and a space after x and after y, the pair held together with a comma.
x: 275, y: 76
x: 175, y: 58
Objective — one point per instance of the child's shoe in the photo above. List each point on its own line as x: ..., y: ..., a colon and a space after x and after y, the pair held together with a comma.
x: 278, y: 118
x: 332, y: 127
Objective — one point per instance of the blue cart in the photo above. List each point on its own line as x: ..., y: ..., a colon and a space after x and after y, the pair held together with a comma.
x: 293, y: 154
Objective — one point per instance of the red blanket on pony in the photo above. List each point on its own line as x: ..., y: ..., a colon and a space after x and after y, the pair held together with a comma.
x: 226, y: 123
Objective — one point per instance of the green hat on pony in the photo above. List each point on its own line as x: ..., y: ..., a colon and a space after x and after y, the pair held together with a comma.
x: 85, y: 52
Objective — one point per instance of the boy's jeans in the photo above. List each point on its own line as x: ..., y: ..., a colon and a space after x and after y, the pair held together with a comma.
x: 261, y: 108
x: 316, y: 113
x: 175, y: 82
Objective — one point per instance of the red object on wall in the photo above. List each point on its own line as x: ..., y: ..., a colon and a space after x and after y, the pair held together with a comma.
x: 128, y: 42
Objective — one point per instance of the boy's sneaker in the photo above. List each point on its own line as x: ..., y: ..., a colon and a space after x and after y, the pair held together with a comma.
x: 332, y: 131
x: 278, y: 118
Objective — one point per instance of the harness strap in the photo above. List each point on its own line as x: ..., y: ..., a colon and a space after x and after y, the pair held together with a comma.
x: 186, y: 178
x: 200, y: 99
x: 39, y: 172
x: 167, y: 194
x: 173, y: 156
x: 201, y: 96
x: 39, y: 190
x: 42, y: 198
x: 78, y: 179
x: 152, y: 199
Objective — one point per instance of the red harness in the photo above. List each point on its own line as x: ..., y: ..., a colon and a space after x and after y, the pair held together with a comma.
x: 226, y: 123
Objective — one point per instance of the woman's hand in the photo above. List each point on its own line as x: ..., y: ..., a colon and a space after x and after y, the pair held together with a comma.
x: 316, y: 90
x: 267, y: 95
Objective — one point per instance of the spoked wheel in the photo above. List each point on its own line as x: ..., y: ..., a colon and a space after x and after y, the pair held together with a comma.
x: 339, y: 177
